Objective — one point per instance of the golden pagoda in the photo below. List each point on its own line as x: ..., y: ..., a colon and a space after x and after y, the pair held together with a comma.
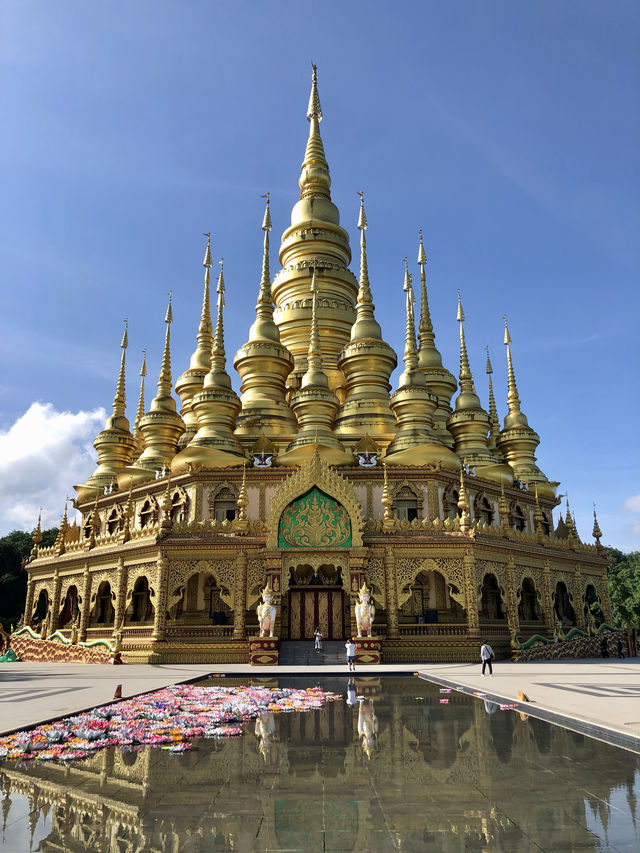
x: 316, y: 478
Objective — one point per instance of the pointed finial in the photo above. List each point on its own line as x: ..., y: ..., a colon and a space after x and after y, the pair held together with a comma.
x: 266, y: 222
x: 140, y: 412
x: 315, y: 180
x: 410, y: 349
x: 119, y: 399
x: 362, y: 218
x: 314, y: 110
x: 264, y: 327
x: 386, y: 499
x: 494, y: 421
x: 463, y: 504
x: 597, y: 533
x: 513, y: 400
x: 314, y: 374
x: 218, y: 376
x: 365, y: 325
x: 465, y: 376
x: 207, y: 262
x: 164, y: 377
x: 201, y: 358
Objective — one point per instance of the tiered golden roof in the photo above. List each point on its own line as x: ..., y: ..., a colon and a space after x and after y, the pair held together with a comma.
x: 315, y: 371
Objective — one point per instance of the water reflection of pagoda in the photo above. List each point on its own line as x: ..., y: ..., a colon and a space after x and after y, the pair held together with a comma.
x: 480, y: 782
x: 188, y: 515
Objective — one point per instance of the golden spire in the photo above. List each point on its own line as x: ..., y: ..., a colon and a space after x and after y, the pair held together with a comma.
x: 515, y: 417
x: 59, y: 544
x: 365, y: 325
x: 415, y: 442
x: 37, y: 537
x: 494, y: 422
x: 463, y: 505
x: 411, y: 374
x: 467, y: 397
x: 114, y: 445
x: 314, y: 375
x: 218, y: 375
x: 503, y: 508
x: 191, y: 381
x: 264, y: 328
x: 517, y: 440
x: 201, y: 358
x: 597, y: 533
x: 161, y: 426
x: 128, y: 513
x: 314, y: 176
x: 163, y: 398
x: 119, y: 399
x: 389, y: 522
x: 538, y: 517
x: 440, y: 381
x: 314, y: 405
x: 216, y: 407
x: 367, y: 363
x: 140, y: 413
x: 315, y: 233
x: 429, y: 355
x: 264, y: 365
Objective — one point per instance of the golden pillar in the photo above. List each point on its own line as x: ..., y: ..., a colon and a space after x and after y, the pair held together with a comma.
x: 578, y: 603
x: 28, y: 605
x: 469, y: 568
x: 160, y: 615
x: 547, y: 601
x: 55, y: 601
x: 86, y: 605
x: 121, y: 594
x: 392, y: 592
x: 513, y: 620
x: 240, y: 597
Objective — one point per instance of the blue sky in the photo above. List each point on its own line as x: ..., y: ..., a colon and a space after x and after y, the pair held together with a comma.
x: 508, y: 131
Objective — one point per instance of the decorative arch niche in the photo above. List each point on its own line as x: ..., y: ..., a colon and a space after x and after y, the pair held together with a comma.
x: 314, y: 520
x: 332, y: 494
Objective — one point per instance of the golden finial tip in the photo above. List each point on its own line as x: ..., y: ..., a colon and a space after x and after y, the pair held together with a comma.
x: 207, y: 253
x: 314, y: 108
x: 169, y: 315
x: 489, y: 368
x: 362, y: 218
x: 507, y: 336
x: 422, y: 257
x: 125, y: 337
x: 266, y: 222
x: 460, y: 315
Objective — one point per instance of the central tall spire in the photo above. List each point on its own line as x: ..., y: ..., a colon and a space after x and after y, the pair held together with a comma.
x: 315, y: 240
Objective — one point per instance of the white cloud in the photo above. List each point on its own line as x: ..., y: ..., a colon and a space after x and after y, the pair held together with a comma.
x: 632, y: 505
x: 42, y: 455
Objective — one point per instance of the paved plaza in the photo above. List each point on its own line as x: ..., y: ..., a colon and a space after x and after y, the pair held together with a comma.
x: 591, y: 693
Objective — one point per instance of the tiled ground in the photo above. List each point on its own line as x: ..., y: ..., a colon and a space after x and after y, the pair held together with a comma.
x: 398, y: 770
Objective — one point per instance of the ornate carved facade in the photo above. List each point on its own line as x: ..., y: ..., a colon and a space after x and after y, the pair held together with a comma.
x: 316, y: 478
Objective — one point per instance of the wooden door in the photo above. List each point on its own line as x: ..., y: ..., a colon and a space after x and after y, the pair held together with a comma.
x: 311, y: 607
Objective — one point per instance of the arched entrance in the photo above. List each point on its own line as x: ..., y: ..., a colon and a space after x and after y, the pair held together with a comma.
x: 316, y: 598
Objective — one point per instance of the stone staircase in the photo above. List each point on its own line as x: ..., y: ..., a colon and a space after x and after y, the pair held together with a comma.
x: 302, y: 653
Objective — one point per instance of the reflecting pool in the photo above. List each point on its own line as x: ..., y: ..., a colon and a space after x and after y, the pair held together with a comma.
x: 396, y: 766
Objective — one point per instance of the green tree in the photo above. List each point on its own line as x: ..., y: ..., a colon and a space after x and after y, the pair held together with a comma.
x: 624, y: 586
x: 15, y: 547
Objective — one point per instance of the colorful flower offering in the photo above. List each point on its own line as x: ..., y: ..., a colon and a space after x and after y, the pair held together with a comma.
x: 171, y: 718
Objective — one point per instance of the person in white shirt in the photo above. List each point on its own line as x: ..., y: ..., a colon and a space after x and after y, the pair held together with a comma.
x: 318, y: 639
x: 351, y: 654
x: 486, y: 656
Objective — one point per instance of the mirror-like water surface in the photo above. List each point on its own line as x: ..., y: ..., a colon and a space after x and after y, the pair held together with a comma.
x: 390, y: 768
